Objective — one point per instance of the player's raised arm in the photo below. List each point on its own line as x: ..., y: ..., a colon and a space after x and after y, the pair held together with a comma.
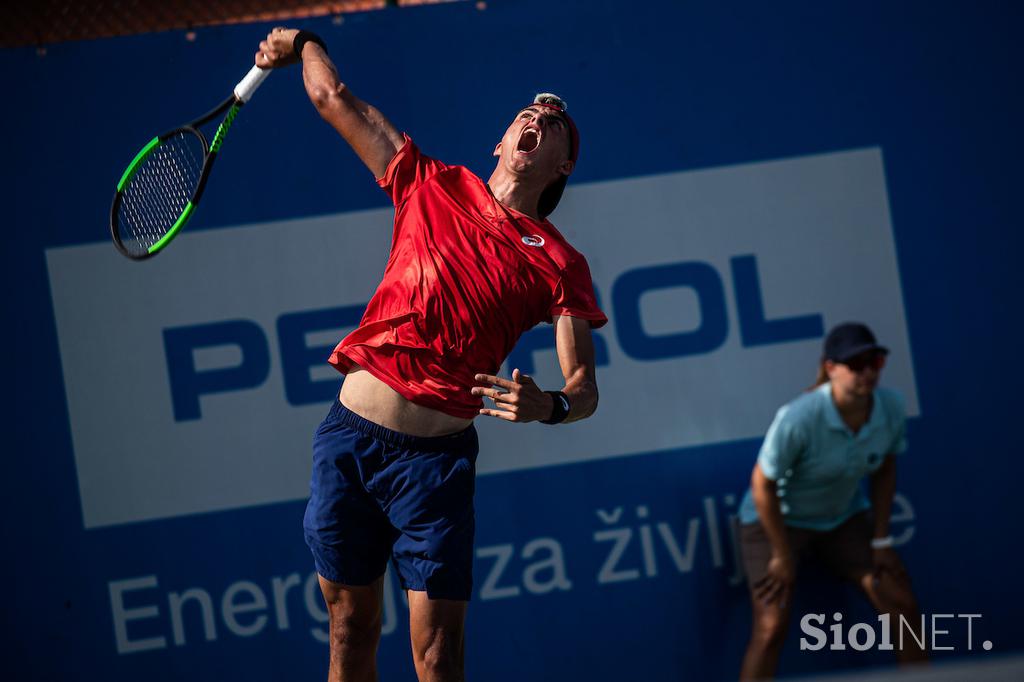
x: 373, y: 137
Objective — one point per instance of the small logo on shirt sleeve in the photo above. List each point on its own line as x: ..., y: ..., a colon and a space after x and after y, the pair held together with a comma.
x: 533, y: 240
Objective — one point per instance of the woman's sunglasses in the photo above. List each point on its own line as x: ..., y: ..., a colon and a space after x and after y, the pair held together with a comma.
x: 859, y: 363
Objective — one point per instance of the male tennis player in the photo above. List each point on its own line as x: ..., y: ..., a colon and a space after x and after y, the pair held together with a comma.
x: 473, y: 265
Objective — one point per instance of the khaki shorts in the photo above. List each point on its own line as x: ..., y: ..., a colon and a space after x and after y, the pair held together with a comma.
x: 845, y: 550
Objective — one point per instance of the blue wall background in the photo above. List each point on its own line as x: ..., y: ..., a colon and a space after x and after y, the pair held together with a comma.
x: 655, y: 87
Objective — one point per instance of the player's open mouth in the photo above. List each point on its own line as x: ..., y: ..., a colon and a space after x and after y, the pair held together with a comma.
x: 529, y: 141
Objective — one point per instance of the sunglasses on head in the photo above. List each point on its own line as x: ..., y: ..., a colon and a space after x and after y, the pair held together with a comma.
x: 859, y: 363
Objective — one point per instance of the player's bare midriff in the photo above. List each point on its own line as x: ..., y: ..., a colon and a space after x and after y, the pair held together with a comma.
x: 372, y: 399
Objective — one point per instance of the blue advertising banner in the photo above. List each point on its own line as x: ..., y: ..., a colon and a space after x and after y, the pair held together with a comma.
x: 748, y: 178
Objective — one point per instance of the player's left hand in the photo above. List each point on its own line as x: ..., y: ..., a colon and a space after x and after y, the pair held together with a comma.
x: 887, y: 561
x: 515, y: 400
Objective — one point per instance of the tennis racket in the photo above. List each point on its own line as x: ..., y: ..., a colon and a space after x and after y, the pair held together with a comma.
x: 161, y: 187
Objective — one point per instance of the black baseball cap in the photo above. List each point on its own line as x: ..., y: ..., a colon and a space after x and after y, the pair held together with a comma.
x: 849, y: 340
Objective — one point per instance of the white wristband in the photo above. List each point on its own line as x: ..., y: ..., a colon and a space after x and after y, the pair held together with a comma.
x: 882, y: 543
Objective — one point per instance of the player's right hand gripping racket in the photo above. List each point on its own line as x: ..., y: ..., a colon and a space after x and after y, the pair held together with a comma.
x: 159, y: 191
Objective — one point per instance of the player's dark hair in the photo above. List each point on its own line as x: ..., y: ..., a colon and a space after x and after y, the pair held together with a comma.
x: 550, y: 197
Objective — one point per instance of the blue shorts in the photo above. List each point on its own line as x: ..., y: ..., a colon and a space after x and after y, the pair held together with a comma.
x: 378, y: 494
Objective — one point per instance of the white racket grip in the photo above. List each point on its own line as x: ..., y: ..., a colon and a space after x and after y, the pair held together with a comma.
x: 247, y: 86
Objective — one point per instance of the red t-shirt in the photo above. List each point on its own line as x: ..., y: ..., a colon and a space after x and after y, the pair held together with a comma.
x: 462, y: 283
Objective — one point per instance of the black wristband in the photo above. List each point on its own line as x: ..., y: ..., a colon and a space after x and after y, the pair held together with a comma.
x: 303, y: 37
x: 560, y: 410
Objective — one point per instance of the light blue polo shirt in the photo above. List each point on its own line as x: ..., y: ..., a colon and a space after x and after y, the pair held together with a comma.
x: 818, y: 462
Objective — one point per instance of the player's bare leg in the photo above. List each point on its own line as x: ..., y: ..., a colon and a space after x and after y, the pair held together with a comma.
x: 768, y: 633
x: 892, y: 594
x: 356, y: 615
x: 437, y: 630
